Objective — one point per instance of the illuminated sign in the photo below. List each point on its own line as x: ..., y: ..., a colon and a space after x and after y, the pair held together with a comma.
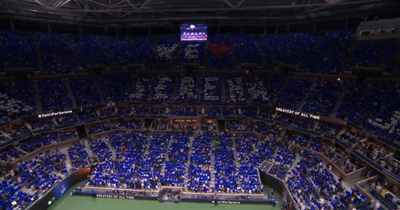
x: 226, y: 202
x: 115, y: 196
x: 52, y: 114
x: 297, y: 113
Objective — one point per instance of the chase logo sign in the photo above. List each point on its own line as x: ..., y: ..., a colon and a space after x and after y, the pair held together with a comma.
x: 226, y: 202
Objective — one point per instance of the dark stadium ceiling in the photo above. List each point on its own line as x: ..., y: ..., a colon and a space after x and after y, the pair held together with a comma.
x: 130, y: 13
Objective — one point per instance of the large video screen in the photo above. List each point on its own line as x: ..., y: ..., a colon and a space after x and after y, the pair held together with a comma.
x: 193, y: 33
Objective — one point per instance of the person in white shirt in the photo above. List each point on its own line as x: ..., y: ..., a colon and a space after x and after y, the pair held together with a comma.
x: 373, y: 202
x: 69, y: 167
x: 395, y: 200
x: 379, y: 188
x: 377, y: 205
x: 303, y: 207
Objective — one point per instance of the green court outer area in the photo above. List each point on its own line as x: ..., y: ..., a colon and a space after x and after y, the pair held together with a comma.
x: 88, y: 203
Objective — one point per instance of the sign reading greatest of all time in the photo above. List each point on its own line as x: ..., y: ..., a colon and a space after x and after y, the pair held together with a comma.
x: 297, y: 113
x: 115, y: 196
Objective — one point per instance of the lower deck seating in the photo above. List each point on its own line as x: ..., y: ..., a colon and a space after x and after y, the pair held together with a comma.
x: 310, y: 181
x: 32, y: 178
x: 100, y: 149
x: 78, y: 155
x: 226, y: 175
x: 177, y: 158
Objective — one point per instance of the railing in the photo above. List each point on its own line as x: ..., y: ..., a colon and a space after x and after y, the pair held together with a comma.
x: 49, y: 147
x: 394, y: 144
x: 55, y: 128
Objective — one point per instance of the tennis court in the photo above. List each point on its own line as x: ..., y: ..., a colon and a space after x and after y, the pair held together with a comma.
x: 87, y: 203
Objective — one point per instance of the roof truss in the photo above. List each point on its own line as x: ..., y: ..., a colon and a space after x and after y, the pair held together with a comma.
x: 148, y: 11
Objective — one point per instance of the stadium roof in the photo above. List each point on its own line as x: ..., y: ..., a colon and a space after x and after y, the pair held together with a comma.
x: 130, y: 13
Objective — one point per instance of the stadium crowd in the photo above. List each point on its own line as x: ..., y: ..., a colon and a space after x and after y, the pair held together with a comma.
x: 199, y: 162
